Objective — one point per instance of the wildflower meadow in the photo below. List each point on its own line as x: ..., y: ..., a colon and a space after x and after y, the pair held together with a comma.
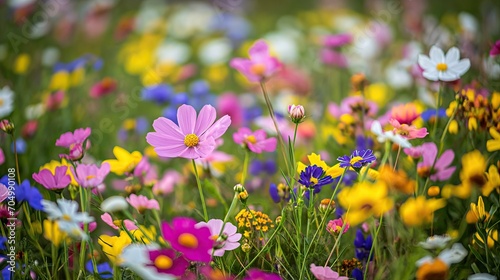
x: 232, y: 139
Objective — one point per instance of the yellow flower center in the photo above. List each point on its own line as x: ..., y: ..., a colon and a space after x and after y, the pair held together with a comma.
x: 188, y: 240
x: 191, y: 140
x: 251, y: 139
x: 117, y: 223
x: 355, y: 159
x: 66, y: 217
x: 258, y: 69
x: 163, y: 262
x: 313, y: 180
x: 441, y: 67
x: 1, y: 101
x: 214, y: 237
x: 90, y: 177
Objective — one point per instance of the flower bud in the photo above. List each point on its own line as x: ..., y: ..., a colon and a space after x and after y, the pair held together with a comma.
x: 7, y: 126
x: 246, y: 247
x: 239, y: 188
x: 243, y: 196
x: 433, y: 191
x: 296, y: 113
x: 114, y: 204
x: 326, y: 205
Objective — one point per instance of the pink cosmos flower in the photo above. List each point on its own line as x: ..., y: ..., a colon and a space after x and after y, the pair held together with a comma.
x: 29, y: 129
x: 261, y: 64
x: 54, y: 100
x: 128, y: 224
x: 213, y: 274
x: 227, y: 241
x: 183, y: 236
x: 57, y: 181
x: 176, y: 268
x: 103, y: 88
x: 257, y: 274
x: 89, y: 175
x: 352, y: 104
x: 414, y: 152
x: 142, y: 203
x: 495, y: 49
x: 408, y: 131
x: 334, y: 226
x: 193, y: 138
x: 146, y: 173
x: 441, y: 170
x: 74, y: 142
x: 167, y: 183
x: 255, y: 141
x: 326, y: 273
x: 333, y: 58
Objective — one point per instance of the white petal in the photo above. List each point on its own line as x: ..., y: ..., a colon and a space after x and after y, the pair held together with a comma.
x: 426, y: 259
x: 461, y: 67
x: 454, y: 255
x: 431, y: 75
x: 425, y: 62
x: 436, y: 54
x: 448, y: 76
x: 452, y: 56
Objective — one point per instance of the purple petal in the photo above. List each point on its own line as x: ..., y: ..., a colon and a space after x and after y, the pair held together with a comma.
x: 186, y: 116
x: 206, y: 118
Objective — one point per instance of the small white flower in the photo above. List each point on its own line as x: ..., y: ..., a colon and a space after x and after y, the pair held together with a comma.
x: 65, y: 211
x: 435, y: 242
x: 216, y: 51
x: 136, y: 258
x: 482, y: 276
x: 449, y: 256
x: 441, y: 67
x: 383, y: 136
x: 6, y: 101
x: 50, y: 56
x: 114, y: 204
x: 33, y: 112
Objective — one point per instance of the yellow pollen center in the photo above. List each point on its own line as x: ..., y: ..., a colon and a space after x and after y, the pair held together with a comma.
x: 117, y: 223
x: 214, y: 237
x: 66, y: 217
x: 1, y: 101
x: 90, y: 177
x: 191, y: 140
x: 258, y: 69
x: 313, y: 180
x: 251, y: 139
x: 163, y: 262
x: 355, y: 159
x: 188, y: 240
x: 441, y: 66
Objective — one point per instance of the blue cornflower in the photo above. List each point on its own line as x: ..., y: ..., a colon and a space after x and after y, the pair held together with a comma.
x: 358, y: 159
x: 312, y: 177
x: 257, y: 167
x: 363, y: 143
x: 279, y: 192
x: 3, y: 241
x: 104, y: 269
x: 21, y: 146
x: 141, y: 125
x: 199, y: 88
x: 357, y: 274
x: 180, y: 98
x: 170, y: 113
x: 363, y: 246
x: 429, y: 114
x: 161, y: 93
x: 25, y: 192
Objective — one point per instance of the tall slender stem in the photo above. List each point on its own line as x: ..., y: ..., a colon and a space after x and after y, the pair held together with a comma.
x: 273, y: 117
x: 245, y: 168
x: 16, y: 159
x: 373, y: 245
x: 200, y: 190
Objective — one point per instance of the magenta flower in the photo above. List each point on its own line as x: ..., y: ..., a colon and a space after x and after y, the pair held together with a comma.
x: 74, y: 142
x: 165, y: 261
x: 229, y: 104
x: 89, y: 175
x: 103, y: 88
x: 57, y: 181
x: 337, y: 40
x: 495, y: 49
x: 257, y: 274
x: 167, y: 183
x: 183, y: 236
x: 193, y: 138
x: 128, y: 224
x: 333, y: 58
x: 254, y: 141
x: 142, y: 203
x: 227, y: 241
x: 261, y: 64
x: 414, y: 152
x: 326, y: 273
x: 408, y: 131
x: 335, y: 226
x: 441, y: 170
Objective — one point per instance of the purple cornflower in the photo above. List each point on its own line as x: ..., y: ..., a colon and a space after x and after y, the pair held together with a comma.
x: 358, y: 159
x: 312, y: 177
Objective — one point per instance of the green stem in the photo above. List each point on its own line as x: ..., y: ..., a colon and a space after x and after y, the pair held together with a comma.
x: 373, y: 245
x: 273, y: 117
x: 16, y: 159
x: 397, y: 158
x: 200, y: 190
x: 438, y: 100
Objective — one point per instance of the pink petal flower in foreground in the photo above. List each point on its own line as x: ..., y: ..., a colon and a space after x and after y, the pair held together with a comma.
x: 257, y: 274
x: 57, y: 181
x: 89, y: 175
x: 326, y: 273
x: 74, y: 142
x: 227, y: 241
x: 142, y: 203
x: 261, y: 64
x: 408, y: 131
x: 128, y: 224
x: 255, y: 141
x: 335, y: 226
x: 193, y: 138
x: 441, y: 170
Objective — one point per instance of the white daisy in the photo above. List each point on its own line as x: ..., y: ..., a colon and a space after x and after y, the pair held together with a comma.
x: 441, y: 67
x: 435, y: 242
x: 449, y: 256
x: 482, y: 276
x: 6, y: 101
x: 65, y: 211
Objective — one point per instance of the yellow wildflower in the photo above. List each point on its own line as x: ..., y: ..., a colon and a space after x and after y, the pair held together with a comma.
x: 477, y: 212
x: 51, y: 166
x: 315, y: 159
x: 21, y: 64
x: 60, y: 81
x: 52, y: 233
x: 493, y: 183
x: 418, y: 211
x: 492, y: 237
x: 125, y: 161
x: 493, y: 144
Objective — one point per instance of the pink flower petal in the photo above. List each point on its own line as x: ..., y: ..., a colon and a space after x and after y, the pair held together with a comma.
x: 186, y: 116
x: 205, y: 119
